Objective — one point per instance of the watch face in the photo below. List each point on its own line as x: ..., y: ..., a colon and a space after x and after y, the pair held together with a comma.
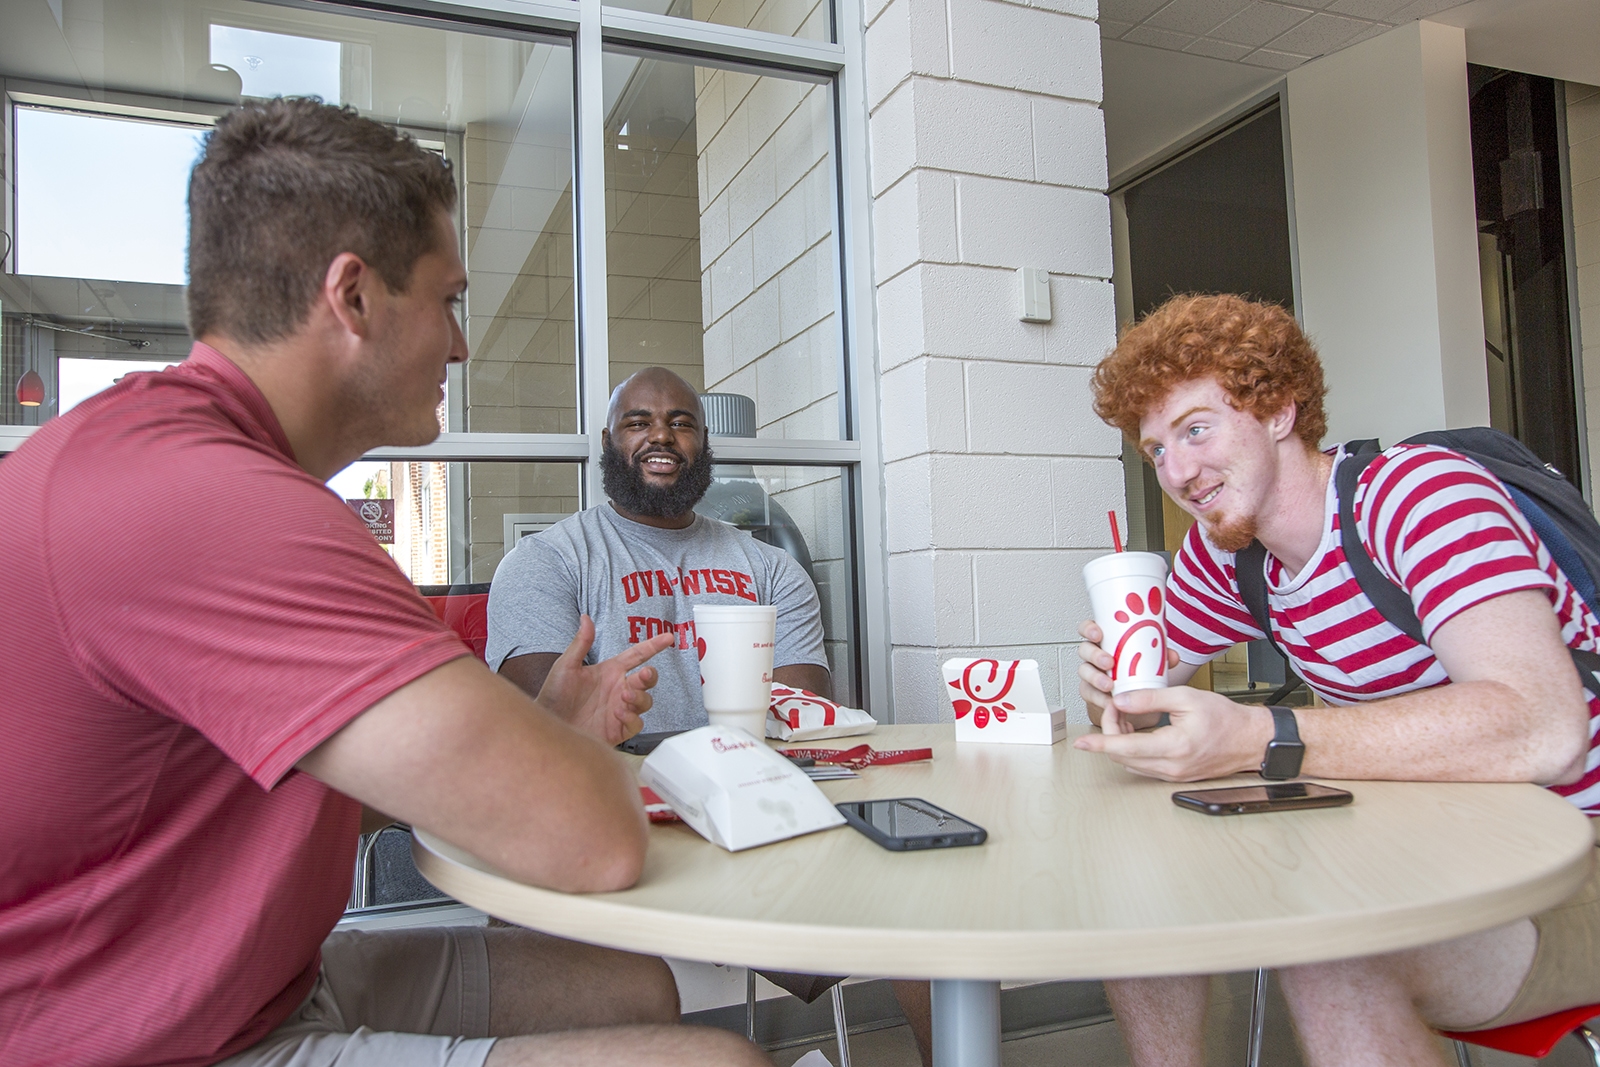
x: 1283, y: 759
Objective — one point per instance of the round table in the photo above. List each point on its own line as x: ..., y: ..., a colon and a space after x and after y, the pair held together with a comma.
x: 1089, y: 872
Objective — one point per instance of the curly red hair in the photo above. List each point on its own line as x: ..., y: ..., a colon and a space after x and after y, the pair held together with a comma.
x: 1256, y: 352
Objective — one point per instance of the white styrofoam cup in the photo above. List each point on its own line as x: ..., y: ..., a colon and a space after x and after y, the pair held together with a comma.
x: 1128, y: 592
x: 735, y: 643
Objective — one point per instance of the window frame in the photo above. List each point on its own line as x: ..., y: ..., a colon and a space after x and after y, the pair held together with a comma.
x: 591, y: 27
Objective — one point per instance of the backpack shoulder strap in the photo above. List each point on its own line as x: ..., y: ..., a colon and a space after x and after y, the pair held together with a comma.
x: 1392, y: 602
x: 1250, y: 574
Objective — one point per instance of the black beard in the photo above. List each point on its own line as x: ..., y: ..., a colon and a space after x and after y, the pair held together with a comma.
x: 624, y: 483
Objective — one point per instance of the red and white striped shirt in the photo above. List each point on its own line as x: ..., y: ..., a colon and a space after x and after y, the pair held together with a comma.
x: 1437, y: 525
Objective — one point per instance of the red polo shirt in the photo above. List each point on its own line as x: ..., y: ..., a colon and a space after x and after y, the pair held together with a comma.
x: 187, y: 614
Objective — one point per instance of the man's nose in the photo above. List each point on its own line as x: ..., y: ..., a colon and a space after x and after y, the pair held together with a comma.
x: 458, y: 342
x: 1178, y: 468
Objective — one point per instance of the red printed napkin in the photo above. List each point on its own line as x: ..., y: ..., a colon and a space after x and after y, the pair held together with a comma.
x: 801, y: 715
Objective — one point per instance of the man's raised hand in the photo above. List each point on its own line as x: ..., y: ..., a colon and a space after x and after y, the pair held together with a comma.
x: 602, y: 699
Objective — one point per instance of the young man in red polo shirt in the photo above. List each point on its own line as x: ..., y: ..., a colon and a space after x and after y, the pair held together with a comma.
x: 1224, y: 398
x: 211, y: 667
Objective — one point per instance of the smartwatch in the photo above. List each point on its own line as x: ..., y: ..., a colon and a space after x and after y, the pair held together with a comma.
x: 1285, y: 751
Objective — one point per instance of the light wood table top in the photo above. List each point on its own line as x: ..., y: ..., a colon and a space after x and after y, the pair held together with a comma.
x: 1089, y: 872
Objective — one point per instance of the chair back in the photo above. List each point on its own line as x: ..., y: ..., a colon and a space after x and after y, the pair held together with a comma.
x: 463, y: 608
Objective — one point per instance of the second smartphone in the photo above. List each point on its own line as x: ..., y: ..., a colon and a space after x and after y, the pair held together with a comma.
x: 1246, y: 800
x: 907, y: 823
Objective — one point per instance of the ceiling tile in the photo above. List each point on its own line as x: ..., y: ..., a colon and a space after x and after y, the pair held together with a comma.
x: 1159, y: 38
x: 1421, y: 9
x: 1131, y: 11
x: 1195, y: 16
x: 1375, y: 30
x: 1114, y: 29
x: 1260, y: 23
x: 1261, y: 57
x: 1217, y: 49
x: 1318, y: 35
x: 1377, y: 10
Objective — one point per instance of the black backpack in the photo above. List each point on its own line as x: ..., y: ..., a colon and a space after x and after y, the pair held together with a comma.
x: 1550, y: 503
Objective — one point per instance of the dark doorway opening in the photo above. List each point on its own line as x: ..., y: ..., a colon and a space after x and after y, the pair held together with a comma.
x: 1216, y: 221
x: 1522, y: 261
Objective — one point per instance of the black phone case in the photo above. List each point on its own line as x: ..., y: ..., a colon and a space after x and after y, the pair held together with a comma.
x: 976, y: 836
x: 644, y: 744
x: 1195, y: 800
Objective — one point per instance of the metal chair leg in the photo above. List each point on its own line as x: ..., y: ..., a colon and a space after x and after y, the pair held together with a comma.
x: 1463, y: 1057
x: 841, y: 1031
x: 366, y: 872
x: 750, y: 1004
x: 1590, y: 1041
x: 1258, y: 1019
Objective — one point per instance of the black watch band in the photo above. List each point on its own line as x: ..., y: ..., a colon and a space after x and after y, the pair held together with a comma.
x: 1285, y: 751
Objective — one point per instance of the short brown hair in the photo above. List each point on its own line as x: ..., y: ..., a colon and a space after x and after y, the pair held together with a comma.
x: 285, y: 186
x: 1256, y: 352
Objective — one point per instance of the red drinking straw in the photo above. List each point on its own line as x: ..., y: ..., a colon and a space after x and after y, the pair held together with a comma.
x: 1116, y: 537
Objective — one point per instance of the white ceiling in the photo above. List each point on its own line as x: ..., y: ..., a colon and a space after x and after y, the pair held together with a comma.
x: 1554, y: 38
x: 1260, y: 33
x: 1172, y: 66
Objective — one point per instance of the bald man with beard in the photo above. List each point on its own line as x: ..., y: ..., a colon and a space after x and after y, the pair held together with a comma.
x: 638, y: 563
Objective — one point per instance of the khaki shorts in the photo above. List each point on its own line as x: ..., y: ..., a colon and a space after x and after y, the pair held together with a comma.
x: 395, y: 998
x: 1566, y: 965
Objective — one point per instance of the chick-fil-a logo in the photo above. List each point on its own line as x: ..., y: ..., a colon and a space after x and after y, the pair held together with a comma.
x: 788, y: 704
x: 987, y: 694
x: 1131, y: 647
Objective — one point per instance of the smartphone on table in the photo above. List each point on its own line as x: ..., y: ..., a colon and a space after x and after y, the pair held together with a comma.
x: 908, y: 823
x: 1248, y: 799
x: 644, y: 744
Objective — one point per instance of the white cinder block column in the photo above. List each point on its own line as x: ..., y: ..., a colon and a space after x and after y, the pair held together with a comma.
x: 988, y: 154
x: 1380, y: 140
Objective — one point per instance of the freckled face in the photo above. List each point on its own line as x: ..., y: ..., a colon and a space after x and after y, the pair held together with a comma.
x: 1216, y: 462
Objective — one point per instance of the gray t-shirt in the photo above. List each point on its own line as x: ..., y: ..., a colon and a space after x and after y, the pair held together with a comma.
x: 637, y: 581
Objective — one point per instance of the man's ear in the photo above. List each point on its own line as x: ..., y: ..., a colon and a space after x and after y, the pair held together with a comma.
x: 605, y: 436
x: 1281, y: 425
x: 347, y: 292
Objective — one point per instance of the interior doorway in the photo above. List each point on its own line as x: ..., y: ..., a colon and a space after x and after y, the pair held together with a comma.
x: 1522, y: 261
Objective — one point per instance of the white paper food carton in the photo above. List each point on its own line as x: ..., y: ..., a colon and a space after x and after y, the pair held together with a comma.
x: 733, y: 790
x: 1001, y: 700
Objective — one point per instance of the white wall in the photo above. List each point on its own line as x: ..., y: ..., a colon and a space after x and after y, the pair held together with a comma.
x: 1380, y: 142
x: 988, y: 154
x: 1583, y: 140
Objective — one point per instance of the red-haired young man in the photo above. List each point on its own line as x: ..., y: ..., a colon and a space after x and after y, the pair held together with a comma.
x: 1224, y: 398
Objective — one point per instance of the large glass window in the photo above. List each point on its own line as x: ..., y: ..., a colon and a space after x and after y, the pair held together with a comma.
x: 719, y: 162
x: 810, y: 19
x: 720, y: 213
x: 101, y: 196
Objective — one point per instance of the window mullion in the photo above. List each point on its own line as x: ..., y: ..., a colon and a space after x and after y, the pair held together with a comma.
x: 594, y: 359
